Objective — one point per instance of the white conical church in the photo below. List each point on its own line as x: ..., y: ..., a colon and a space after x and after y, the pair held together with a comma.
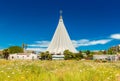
x: 61, y: 40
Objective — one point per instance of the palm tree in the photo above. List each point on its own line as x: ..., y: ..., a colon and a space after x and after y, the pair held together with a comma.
x: 24, y: 46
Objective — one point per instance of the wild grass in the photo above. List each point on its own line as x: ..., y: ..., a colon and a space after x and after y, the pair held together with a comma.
x: 71, y: 70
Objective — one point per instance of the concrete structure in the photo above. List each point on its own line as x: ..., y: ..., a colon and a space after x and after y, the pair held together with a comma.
x: 21, y: 56
x: 61, y: 40
x: 106, y: 57
x: 57, y: 57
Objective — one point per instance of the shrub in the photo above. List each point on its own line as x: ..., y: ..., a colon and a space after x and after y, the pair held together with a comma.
x: 46, y: 56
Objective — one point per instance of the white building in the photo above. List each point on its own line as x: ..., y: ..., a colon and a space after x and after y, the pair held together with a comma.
x: 106, y: 57
x: 22, y: 56
x: 61, y: 40
x: 57, y: 57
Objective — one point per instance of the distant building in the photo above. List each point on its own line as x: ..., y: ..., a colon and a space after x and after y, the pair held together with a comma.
x: 57, y: 57
x: 106, y: 57
x: 21, y: 56
x: 1, y: 52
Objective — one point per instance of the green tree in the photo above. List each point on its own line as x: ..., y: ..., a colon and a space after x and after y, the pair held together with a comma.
x: 104, y: 52
x: 68, y: 55
x: 6, y: 54
x: 111, y: 51
x: 88, y: 52
x: 100, y: 52
x: 15, y: 49
x: 42, y: 55
x: 79, y: 55
x: 46, y: 56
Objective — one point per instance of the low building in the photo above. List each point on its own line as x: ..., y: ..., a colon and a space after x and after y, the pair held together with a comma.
x: 1, y: 52
x: 106, y: 57
x: 21, y: 56
x: 57, y: 57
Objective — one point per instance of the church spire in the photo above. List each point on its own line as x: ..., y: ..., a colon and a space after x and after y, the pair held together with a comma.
x: 61, y: 40
x: 61, y: 14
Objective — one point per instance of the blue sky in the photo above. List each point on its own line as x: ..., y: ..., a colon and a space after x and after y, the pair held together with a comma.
x: 91, y: 24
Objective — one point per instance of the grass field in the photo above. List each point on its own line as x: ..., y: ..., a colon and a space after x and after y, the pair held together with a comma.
x: 70, y: 70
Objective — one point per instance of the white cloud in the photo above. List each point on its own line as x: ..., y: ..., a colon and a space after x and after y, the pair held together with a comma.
x: 42, y: 41
x: 42, y: 44
x: 38, y: 46
x: 86, y: 42
x: 115, y: 36
x: 37, y: 49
